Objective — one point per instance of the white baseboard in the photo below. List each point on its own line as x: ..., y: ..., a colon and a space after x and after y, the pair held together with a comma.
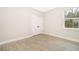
x: 67, y: 38
x: 11, y: 40
x: 38, y: 33
x: 20, y: 38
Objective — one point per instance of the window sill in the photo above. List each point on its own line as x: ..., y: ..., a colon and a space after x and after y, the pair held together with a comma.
x: 71, y: 28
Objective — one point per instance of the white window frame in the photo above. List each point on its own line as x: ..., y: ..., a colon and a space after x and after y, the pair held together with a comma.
x: 70, y: 18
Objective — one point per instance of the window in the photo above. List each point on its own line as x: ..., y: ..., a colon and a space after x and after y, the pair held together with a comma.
x: 72, y: 18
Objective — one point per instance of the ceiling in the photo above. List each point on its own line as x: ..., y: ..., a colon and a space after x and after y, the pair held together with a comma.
x: 43, y: 9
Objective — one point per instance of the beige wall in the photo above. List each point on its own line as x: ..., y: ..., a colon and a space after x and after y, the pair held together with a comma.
x: 54, y: 24
x: 15, y: 23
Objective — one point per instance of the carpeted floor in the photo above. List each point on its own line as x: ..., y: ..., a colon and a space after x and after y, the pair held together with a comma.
x: 41, y: 42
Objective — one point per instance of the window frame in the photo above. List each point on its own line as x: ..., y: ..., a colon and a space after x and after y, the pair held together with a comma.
x: 70, y: 18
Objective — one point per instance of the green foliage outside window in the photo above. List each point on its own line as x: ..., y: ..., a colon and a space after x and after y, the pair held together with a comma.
x: 71, y: 13
x: 72, y: 18
x: 71, y: 24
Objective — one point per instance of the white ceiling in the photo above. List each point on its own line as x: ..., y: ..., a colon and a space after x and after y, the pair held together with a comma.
x: 43, y: 9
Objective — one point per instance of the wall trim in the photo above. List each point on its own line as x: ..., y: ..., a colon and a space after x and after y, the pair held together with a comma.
x: 21, y: 38
x: 16, y: 39
x: 66, y: 38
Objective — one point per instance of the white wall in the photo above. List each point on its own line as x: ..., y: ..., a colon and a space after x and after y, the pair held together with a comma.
x: 1, y: 24
x: 54, y: 24
x: 37, y: 20
x: 15, y: 22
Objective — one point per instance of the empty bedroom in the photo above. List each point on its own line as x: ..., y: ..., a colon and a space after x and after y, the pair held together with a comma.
x: 39, y: 28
